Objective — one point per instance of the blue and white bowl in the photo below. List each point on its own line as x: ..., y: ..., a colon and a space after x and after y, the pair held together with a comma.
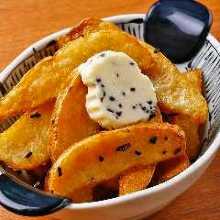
x: 146, y: 202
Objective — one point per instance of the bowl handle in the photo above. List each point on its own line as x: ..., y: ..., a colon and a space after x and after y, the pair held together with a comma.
x: 22, y: 199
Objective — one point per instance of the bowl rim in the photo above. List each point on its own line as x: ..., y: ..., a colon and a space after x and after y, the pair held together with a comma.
x: 210, y: 152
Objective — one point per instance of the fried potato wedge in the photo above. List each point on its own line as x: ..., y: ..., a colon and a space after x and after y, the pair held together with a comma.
x: 136, y: 179
x: 38, y: 85
x: 71, y: 122
x: 195, y: 77
x: 175, y: 92
x: 85, y: 27
x: 110, y: 153
x: 24, y: 144
x: 172, y: 167
x: 51, y: 75
x: 173, y: 89
x: 191, y: 129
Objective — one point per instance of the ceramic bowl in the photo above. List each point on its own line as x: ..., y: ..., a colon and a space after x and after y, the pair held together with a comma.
x: 146, y: 202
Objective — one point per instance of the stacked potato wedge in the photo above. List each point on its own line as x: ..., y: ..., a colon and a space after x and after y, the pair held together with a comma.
x: 55, y: 127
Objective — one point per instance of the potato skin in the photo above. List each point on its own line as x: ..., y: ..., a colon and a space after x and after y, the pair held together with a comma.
x: 24, y: 144
x: 168, y: 169
x: 85, y: 27
x: 138, y: 178
x: 105, y: 155
x: 191, y: 129
x: 135, y: 179
x: 195, y: 77
x: 71, y: 122
x: 175, y: 92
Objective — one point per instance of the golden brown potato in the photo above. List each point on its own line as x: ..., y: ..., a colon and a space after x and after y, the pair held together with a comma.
x: 51, y: 75
x: 71, y: 122
x: 87, y: 163
x: 70, y: 115
x: 191, y: 129
x: 173, y: 89
x: 172, y: 167
x: 195, y: 77
x: 135, y: 179
x: 85, y: 27
x: 175, y: 92
x: 24, y: 144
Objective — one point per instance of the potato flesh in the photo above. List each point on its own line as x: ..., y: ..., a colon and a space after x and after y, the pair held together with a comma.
x: 175, y: 92
x: 189, y: 126
x: 80, y: 166
x: 170, y: 168
x: 71, y: 122
x: 191, y: 129
x: 136, y: 179
x: 195, y: 77
x: 24, y: 144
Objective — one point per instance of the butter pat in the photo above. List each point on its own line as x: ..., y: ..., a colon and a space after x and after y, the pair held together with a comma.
x: 118, y: 93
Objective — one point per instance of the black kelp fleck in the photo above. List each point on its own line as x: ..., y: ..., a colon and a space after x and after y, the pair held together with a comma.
x: 123, y: 148
x: 153, y: 140
x: 35, y: 115
x: 59, y: 171
x: 28, y: 154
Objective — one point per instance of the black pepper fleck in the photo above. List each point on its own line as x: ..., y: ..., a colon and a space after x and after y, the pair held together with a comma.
x: 120, y: 105
x: 102, y: 85
x: 103, y: 96
x: 123, y: 93
x: 98, y: 80
x: 138, y: 153
x: 59, y: 171
x: 143, y: 108
x: 117, y: 75
x: 150, y: 102
x: 118, y: 114
x: 102, y: 54
x: 134, y: 107
x: 111, y: 98
x: 101, y: 158
x: 177, y: 150
x: 123, y: 147
x: 132, y: 63
x: 28, y: 155
x: 164, y: 152
x: 132, y: 89
x: 110, y: 110
x: 153, y: 140
x: 35, y: 115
